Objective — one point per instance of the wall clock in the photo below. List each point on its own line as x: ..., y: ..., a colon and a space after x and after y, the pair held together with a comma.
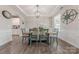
x: 6, y: 14
x: 69, y: 16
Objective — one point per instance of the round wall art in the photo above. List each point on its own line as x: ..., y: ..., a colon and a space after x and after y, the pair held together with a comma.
x: 69, y: 16
x: 6, y: 14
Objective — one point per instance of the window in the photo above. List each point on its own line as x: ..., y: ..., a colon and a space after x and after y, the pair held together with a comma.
x: 57, y: 22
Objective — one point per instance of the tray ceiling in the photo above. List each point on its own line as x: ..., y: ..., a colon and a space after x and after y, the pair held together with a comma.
x: 44, y: 10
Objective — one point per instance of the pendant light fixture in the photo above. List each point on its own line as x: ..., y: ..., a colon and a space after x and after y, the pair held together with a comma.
x: 37, y: 11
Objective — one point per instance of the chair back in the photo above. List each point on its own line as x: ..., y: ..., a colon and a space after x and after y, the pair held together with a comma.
x: 33, y: 31
x: 43, y: 31
x: 55, y: 33
x: 23, y: 31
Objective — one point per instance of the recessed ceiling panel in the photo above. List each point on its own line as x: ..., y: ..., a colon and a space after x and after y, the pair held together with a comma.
x: 44, y: 10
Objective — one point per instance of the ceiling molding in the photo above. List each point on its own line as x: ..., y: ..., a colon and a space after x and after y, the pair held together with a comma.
x: 21, y: 10
x: 53, y: 12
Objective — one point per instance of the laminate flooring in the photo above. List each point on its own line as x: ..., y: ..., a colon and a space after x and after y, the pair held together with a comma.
x: 16, y: 47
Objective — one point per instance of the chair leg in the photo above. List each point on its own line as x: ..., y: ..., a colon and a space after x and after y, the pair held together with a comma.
x: 48, y: 40
x: 57, y: 42
x: 30, y: 41
x: 22, y: 40
x: 40, y: 39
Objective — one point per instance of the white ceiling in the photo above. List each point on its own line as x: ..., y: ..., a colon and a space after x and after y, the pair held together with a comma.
x: 44, y: 10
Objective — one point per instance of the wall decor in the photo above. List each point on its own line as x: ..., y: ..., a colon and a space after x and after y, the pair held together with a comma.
x: 6, y: 14
x: 69, y: 16
x: 15, y: 26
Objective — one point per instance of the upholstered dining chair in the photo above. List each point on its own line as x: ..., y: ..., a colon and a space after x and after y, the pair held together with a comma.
x: 43, y: 35
x: 33, y: 33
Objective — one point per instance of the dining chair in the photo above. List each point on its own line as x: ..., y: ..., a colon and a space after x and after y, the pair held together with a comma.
x: 55, y: 37
x: 43, y: 35
x: 33, y: 33
x: 24, y: 35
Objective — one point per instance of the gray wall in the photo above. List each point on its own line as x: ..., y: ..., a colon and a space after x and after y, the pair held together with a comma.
x: 32, y: 22
x: 5, y: 27
x: 70, y: 32
x: 6, y: 24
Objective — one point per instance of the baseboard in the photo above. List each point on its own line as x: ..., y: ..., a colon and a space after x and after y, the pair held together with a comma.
x: 5, y: 42
x: 5, y: 45
x: 70, y: 43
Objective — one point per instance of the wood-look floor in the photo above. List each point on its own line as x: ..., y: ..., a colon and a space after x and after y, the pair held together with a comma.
x: 16, y: 47
x: 5, y: 49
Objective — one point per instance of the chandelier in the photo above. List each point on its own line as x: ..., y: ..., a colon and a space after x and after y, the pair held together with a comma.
x: 37, y: 11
